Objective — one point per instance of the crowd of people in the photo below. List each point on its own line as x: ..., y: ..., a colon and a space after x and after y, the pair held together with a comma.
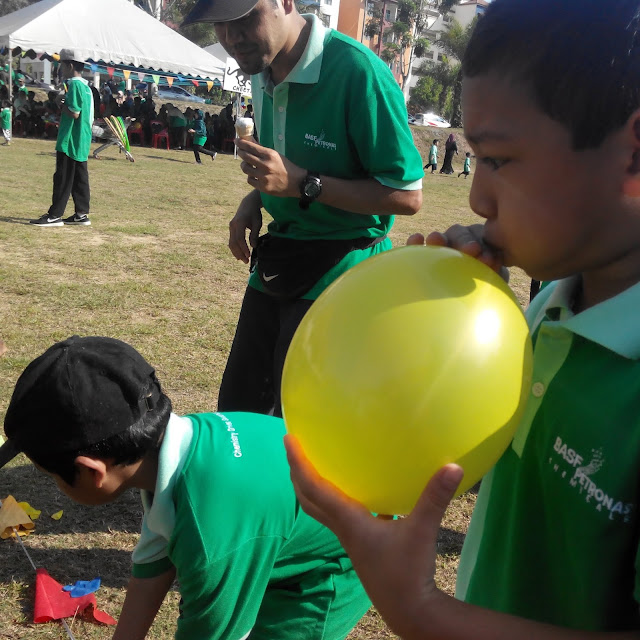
x: 41, y: 119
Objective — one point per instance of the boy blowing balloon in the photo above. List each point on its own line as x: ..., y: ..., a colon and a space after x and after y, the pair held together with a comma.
x: 552, y: 548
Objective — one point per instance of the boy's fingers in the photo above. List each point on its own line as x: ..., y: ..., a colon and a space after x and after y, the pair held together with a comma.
x: 435, y: 499
x: 415, y: 239
x: 437, y: 239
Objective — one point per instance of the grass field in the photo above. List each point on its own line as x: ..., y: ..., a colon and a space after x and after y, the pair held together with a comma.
x: 153, y: 270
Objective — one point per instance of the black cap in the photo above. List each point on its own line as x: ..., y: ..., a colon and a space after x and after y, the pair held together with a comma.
x: 219, y: 11
x: 77, y: 393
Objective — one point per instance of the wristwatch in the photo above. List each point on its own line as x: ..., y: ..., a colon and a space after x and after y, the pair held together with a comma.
x: 310, y: 189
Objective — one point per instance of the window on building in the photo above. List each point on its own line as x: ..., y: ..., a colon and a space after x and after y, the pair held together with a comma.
x: 328, y: 2
x: 387, y: 15
x: 440, y: 57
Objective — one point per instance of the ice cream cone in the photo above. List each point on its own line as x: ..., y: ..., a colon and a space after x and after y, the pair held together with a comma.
x: 244, y: 128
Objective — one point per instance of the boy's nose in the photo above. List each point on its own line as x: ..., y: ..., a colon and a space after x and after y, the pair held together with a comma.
x: 481, y: 199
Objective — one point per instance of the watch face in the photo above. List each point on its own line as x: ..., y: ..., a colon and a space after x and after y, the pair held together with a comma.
x: 311, y: 188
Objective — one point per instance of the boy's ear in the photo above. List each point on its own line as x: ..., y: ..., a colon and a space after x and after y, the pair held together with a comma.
x: 95, y: 467
x: 631, y: 185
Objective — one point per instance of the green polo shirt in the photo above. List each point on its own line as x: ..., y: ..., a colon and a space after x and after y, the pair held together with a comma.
x: 340, y: 113
x: 554, y: 534
x: 248, y: 558
x: 5, y: 118
x: 74, y: 134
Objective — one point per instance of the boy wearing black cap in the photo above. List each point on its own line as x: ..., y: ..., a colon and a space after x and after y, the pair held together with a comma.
x: 219, y: 508
x: 71, y: 177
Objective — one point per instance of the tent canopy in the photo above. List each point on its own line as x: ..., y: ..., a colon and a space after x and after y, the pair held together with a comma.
x: 115, y: 32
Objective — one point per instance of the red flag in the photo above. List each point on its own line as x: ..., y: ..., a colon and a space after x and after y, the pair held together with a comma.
x: 110, y: 71
x: 195, y: 82
x: 52, y: 603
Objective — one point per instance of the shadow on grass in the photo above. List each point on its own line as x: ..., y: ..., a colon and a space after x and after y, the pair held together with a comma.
x: 26, y: 484
x: 169, y: 159
x: 450, y: 542
x: 46, y: 153
x: 14, y: 220
x: 112, y: 566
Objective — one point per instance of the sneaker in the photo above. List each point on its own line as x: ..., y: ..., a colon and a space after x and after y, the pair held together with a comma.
x: 214, y: 156
x: 78, y: 218
x: 47, y: 221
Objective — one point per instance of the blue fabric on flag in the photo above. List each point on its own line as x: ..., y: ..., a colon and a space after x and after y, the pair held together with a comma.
x: 82, y: 587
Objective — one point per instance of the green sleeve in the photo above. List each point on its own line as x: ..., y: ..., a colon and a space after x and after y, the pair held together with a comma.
x: 151, y: 569
x: 380, y: 132
x: 73, y: 99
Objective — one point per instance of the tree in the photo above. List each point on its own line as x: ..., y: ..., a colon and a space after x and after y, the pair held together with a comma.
x: 173, y: 12
x: 434, y: 90
x: 9, y: 6
x: 454, y: 42
x: 404, y: 34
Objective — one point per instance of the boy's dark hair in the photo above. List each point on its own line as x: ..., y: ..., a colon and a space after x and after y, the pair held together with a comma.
x: 77, y: 66
x: 581, y: 59
x: 468, y: 154
x: 85, y: 396
x: 123, y: 448
x: 435, y: 141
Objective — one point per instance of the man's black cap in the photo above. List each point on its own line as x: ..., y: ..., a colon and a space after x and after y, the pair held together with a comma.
x: 219, y: 11
x: 76, y: 394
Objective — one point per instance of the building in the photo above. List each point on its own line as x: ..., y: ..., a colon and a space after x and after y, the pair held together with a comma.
x: 329, y: 11
x: 464, y: 12
x: 353, y: 18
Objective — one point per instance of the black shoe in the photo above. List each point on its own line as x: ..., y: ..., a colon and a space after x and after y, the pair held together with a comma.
x: 47, y: 221
x: 78, y: 218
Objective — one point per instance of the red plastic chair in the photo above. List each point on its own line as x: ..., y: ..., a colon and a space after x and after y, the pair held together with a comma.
x: 134, y: 130
x: 157, y: 137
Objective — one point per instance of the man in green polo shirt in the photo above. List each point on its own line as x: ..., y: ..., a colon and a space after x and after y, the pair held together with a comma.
x: 334, y: 163
x: 71, y: 177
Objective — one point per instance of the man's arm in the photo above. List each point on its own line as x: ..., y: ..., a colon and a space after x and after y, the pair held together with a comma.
x: 270, y: 172
x: 141, y: 604
x: 395, y: 561
x: 68, y: 111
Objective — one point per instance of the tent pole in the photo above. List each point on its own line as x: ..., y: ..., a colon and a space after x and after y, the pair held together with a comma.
x: 11, y: 92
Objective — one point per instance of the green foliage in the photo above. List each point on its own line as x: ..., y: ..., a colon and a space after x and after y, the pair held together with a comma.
x: 203, y: 33
x: 455, y: 39
x: 434, y: 90
x: 390, y: 53
x: 372, y: 27
x: 420, y: 47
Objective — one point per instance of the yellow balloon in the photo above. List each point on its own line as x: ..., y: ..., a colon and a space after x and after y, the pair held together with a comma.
x: 414, y: 358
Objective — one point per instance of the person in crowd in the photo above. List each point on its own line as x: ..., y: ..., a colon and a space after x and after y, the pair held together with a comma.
x: 71, y: 177
x: 450, y: 150
x: 199, y: 132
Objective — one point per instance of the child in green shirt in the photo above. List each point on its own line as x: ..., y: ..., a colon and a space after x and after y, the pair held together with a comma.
x: 433, y: 157
x: 552, y: 551
x: 199, y: 131
x: 220, y: 513
x: 5, y: 122
x: 466, y: 170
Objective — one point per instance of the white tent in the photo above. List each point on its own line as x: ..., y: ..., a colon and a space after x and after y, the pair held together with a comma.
x: 114, y: 31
